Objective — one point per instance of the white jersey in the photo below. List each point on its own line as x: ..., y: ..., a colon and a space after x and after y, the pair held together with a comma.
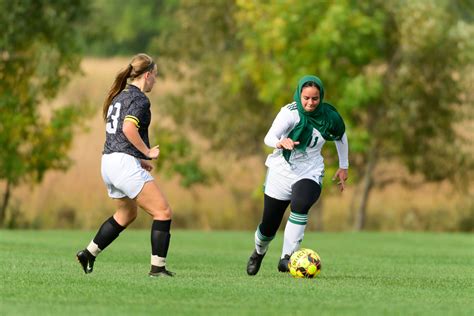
x: 308, y: 164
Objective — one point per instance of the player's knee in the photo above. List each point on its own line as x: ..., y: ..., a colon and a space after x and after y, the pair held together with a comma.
x: 301, y: 206
x: 163, y: 213
x: 168, y: 212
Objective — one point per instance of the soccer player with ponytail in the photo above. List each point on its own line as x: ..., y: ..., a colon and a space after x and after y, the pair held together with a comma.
x: 126, y: 166
x: 296, y: 167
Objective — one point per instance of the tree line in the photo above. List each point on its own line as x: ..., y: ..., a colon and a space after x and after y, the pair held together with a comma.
x: 398, y: 71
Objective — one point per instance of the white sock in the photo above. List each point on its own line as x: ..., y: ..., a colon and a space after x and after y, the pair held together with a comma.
x: 261, y: 242
x: 158, y: 261
x: 294, y: 233
x: 93, y: 248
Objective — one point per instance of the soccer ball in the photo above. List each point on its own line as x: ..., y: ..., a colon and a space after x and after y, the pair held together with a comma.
x: 305, y: 263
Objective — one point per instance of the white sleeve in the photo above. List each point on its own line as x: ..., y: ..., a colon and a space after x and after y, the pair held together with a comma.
x: 342, y: 147
x: 281, y: 127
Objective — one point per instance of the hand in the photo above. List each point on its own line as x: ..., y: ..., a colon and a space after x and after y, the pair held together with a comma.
x: 341, y: 175
x: 287, y: 143
x: 154, y: 152
x: 146, y: 165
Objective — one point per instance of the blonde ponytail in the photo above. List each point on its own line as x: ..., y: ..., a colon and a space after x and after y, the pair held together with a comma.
x: 139, y: 64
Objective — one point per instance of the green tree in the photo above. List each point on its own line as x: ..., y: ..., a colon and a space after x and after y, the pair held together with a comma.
x: 394, y: 69
x: 195, y: 43
x: 40, y: 49
x: 122, y: 27
x: 202, y: 50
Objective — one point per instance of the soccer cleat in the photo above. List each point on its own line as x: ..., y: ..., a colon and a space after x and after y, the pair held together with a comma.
x: 160, y: 272
x: 283, y: 265
x: 254, y: 263
x: 86, y: 259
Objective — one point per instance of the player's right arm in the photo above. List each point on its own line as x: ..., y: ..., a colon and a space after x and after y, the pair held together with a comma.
x: 281, y: 126
x: 130, y: 130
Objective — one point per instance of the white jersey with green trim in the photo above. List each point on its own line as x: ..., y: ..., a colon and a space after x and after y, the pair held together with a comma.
x: 309, y: 163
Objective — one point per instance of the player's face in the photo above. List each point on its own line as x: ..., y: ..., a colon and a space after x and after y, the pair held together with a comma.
x: 150, y: 80
x: 310, y: 98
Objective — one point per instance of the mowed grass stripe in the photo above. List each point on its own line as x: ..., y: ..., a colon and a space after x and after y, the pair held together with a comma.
x: 362, y: 274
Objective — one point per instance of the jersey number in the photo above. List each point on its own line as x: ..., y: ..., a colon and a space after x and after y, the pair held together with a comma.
x: 112, y: 118
x: 314, y: 144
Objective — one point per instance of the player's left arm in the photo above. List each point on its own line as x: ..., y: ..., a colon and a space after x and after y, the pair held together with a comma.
x: 130, y: 130
x: 135, y: 114
x: 341, y: 175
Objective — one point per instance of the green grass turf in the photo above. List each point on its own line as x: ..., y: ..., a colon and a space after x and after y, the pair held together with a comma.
x: 362, y: 274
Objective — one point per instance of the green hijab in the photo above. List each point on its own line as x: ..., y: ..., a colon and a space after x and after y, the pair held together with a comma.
x: 324, y: 118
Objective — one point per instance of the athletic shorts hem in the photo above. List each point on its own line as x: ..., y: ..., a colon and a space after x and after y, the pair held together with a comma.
x: 123, y: 175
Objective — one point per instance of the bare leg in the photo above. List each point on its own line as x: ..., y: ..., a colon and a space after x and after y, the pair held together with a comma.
x: 126, y: 211
x: 125, y: 214
x: 152, y: 200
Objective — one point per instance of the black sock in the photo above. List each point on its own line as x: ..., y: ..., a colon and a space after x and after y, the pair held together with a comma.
x: 160, y: 238
x: 107, y: 233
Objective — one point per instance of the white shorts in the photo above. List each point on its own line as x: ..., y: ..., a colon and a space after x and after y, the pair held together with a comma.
x: 278, y: 185
x: 123, y: 175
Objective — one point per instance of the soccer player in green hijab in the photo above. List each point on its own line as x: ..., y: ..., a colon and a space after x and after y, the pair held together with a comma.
x: 296, y: 167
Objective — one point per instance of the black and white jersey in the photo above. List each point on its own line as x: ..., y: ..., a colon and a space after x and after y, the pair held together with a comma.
x: 131, y: 104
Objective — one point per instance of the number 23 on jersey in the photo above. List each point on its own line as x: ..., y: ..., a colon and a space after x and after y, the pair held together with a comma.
x: 113, y: 114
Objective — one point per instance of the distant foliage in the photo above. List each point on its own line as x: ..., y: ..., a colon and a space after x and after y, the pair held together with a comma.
x: 40, y: 50
x: 396, y: 70
x: 122, y: 27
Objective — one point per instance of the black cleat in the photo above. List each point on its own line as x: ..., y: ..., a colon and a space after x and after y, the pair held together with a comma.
x: 283, y: 264
x: 254, y: 263
x: 160, y: 272
x: 86, y: 259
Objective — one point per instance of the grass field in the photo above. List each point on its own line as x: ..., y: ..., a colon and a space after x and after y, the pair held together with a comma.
x: 362, y: 274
